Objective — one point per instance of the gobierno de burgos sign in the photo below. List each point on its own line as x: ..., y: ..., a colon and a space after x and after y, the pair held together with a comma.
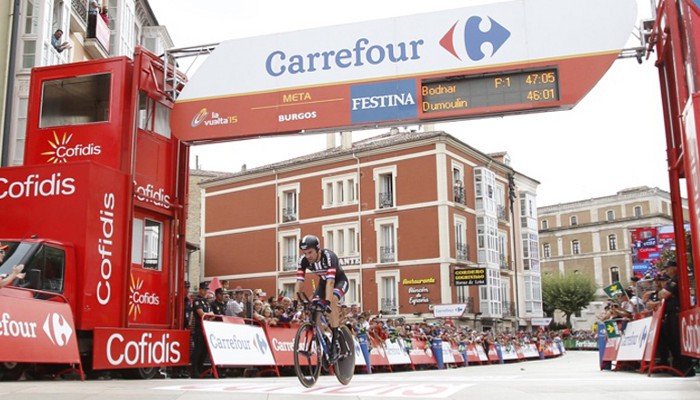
x: 517, y: 56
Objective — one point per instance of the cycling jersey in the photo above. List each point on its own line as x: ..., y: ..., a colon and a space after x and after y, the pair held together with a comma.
x: 327, y: 266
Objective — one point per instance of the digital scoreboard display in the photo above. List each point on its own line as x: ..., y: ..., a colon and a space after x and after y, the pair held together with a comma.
x: 492, y: 90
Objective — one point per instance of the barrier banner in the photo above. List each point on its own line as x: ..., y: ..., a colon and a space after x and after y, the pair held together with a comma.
x: 493, y: 354
x: 396, y: 352
x: 509, y: 352
x: 519, y: 352
x: 420, y: 354
x: 499, y: 352
x: 611, y: 347
x: 462, y: 348
x: 654, y: 332
x: 473, y: 354
x: 237, y: 344
x: 483, y: 357
x: 377, y: 355
x: 458, y: 353
x: 37, y: 331
x: 634, y: 340
x: 436, y: 347
x: 690, y: 332
x: 282, y: 343
x: 530, y: 350
x: 115, y: 348
x: 448, y: 356
x: 364, y: 348
x: 359, y: 354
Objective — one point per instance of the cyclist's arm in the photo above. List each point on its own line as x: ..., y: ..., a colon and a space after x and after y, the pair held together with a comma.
x: 299, y: 285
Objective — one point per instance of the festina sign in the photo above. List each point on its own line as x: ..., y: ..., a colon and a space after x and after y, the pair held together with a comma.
x: 375, y: 73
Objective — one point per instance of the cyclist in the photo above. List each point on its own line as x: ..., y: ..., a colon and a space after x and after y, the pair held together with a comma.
x: 332, y: 283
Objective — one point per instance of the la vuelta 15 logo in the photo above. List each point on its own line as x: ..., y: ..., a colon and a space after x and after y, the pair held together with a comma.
x: 476, y: 32
x: 62, y: 149
x: 140, y: 298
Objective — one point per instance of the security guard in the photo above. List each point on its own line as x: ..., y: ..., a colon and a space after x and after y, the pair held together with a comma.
x: 218, y: 306
x: 670, y: 332
x: 200, y: 306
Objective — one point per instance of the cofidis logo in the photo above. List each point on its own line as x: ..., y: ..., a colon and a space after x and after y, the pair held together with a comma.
x: 385, y: 101
x: 62, y: 149
x: 138, y: 298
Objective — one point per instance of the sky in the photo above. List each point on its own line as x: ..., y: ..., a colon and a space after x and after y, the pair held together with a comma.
x: 612, y: 140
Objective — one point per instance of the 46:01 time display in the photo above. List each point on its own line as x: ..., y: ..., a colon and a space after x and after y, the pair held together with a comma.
x: 541, y: 95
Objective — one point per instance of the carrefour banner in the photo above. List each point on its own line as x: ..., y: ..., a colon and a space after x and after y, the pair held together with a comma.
x: 36, y: 331
x: 237, y: 344
x: 402, y: 69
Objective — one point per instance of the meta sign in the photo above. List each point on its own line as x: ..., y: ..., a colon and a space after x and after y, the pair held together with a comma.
x: 495, y: 59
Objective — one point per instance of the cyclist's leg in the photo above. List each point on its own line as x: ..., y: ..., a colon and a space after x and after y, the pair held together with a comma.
x: 339, y: 289
x: 319, y: 293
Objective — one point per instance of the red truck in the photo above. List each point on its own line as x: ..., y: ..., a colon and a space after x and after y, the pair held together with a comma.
x: 97, y: 215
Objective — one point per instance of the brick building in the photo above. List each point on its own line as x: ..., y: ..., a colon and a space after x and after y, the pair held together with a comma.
x: 403, y: 211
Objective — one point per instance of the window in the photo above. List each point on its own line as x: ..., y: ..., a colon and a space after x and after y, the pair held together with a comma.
x: 612, y: 242
x: 487, y: 240
x: 351, y: 296
x: 388, y: 292
x: 533, y: 294
x: 342, y: 239
x: 546, y: 250
x: 289, y: 200
x: 147, y: 243
x: 531, y: 256
x: 575, y: 247
x: 339, y: 190
x: 461, y: 249
x: 610, y: 215
x: 614, y: 274
x: 528, y: 210
x: 491, y: 303
x: 545, y: 224
x: 385, y: 181
x: 484, y: 192
x: 637, y: 211
x: 503, y: 249
x: 458, y: 195
x: 289, y: 241
x: 573, y: 220
x: 46, y: 269
x: 74, y: 101
x: 385, y: 229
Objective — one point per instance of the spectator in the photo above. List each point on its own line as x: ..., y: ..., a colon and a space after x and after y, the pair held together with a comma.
x: 56, y: 41
x: 188, y: 306
x: 93, y: 10
x: 258, y: 311
x: 236, y: 307
x: 104, y: 15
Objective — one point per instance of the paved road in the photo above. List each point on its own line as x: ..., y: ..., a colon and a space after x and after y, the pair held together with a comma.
x: 571, y: 377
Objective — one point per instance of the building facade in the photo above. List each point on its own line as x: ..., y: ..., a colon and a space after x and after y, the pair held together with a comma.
x: 88, y: 36
x: 592, y: 237
x: 403, y: 211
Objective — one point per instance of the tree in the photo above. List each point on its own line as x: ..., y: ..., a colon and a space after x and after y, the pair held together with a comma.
x: 568, y: 294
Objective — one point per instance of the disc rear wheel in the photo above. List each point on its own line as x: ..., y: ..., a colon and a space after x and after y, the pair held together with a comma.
x: 344, y: 367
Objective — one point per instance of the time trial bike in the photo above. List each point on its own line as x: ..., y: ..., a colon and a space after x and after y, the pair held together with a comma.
x: 312, y: 347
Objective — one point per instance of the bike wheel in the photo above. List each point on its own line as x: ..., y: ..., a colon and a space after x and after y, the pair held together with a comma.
x: 307, y: 355
x: 344, y: 367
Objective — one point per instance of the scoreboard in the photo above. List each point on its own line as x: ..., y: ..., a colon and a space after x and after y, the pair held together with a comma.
x: 489, y: 90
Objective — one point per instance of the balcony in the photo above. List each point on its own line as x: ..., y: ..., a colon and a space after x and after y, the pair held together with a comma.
x: 97, y: 38
x: 508, y: 309
x: 289, y: 263
x: 501, y: 211
x: 469, y: 301
x: 459, y: 196
x: 289, y: 214
x: 462, y: 252
x: 387, y: 254
x: 503, y: 262
x: 388, y: 306
x: 386, y: 199
x: 78, y: 16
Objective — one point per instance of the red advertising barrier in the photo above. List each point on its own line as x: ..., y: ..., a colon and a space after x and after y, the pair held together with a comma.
x: 282, y: 343
x: 473, y: 354
x: 37, y: 331
x: 611, y: 347
x: 420, y: 353
x: 493, y: 354
x: 377, y: 355
x: 140, y: 348
x: 690, y: 332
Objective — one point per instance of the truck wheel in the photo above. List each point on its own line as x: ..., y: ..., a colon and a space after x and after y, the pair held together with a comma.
x: 11, y: 371
x: 141, y: 373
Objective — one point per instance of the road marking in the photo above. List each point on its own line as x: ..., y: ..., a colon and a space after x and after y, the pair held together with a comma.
x: 391, y: 389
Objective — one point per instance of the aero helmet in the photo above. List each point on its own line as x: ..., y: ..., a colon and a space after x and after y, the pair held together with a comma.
x: 309, y: 241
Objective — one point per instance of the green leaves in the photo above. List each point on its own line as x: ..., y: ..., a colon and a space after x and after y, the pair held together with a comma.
x: 569, y: 293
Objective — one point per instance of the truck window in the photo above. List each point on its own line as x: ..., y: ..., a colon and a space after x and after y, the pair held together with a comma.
x: 153, y: 116
x: 48, y: 264
x: 146, y: 246
x: 75, y: 101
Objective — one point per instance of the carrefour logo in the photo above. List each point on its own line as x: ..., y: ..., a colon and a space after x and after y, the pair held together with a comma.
x: 62, y: 149
x: 473, y: 37
x: 383, y: 101
x: 260, y: 344
x: 57, y: 329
